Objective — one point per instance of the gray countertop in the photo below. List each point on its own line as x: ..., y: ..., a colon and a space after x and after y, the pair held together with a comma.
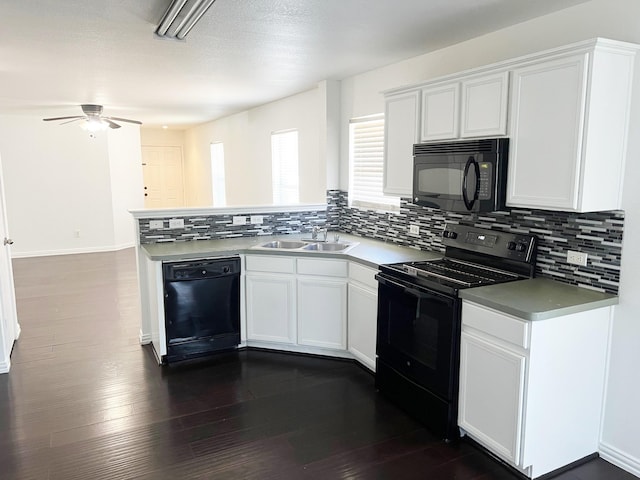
x: 535, y: 299
x: 368, y: 252
x: 538, y: 298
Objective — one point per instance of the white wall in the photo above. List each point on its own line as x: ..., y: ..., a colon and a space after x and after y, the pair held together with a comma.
x: 616, y: 19
x: 247, y: 148
x: 125, y: 167
x: 58, y: 181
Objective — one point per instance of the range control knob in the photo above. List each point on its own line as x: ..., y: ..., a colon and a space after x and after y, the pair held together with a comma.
x: 449, y: 234
x: 521, y: 247
x: 511, y: 246
x: 225, y: 269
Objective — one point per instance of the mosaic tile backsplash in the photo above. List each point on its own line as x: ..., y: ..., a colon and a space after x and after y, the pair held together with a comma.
x: 599, y: 234
x: 212, y: 227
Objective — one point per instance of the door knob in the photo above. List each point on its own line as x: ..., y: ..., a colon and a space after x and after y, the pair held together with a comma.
x: 8, y: 241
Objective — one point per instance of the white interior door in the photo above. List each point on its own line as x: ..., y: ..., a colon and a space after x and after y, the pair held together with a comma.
x: 9, y: 327
x: 163, y: 177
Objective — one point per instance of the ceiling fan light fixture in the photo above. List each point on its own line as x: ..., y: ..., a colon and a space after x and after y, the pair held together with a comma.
x: 181, y: 16
x: 93, y: 125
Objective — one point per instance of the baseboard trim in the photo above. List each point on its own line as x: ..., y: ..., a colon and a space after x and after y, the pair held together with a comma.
x: 145, y: 338
x: 72, y: 251
x: 620, y: 459
x: 5, y: 366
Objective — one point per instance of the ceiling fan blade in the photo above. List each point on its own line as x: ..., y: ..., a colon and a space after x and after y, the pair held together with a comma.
x: 111, y: 124
x: 61, y: 118
x: 73, y: 120
x: 123, y: 120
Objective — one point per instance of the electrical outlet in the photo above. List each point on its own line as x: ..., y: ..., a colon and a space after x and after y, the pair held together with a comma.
x: 176, y: 223
x: 414, y: 230
x: 576, y: 258
x: 156, y: 224
x: 257, y: 219
x: 239, y: 220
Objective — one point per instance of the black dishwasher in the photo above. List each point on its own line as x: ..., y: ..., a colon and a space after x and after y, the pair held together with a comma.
x: 202, y: 306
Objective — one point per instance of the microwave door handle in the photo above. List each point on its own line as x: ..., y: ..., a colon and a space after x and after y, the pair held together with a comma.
x: 465, y: 175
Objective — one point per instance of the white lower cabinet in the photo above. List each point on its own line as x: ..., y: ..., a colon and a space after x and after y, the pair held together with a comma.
x: 322, y: 312
x: 270, y: 293
x: 271, y: 311
x: 362, y: 314
x: 296, y: 301
x: 313, y: 305
x: 491, y: 406
x: 531, y: 391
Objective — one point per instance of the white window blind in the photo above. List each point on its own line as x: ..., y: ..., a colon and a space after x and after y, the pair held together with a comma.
x: 218, y: 190
x: 366, y: 156
x: 284, y: 158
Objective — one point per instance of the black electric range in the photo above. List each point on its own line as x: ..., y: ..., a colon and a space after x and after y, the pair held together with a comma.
x: 418, y: 331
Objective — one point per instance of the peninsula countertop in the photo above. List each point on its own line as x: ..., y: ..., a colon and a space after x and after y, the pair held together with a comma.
x: 367, y: 251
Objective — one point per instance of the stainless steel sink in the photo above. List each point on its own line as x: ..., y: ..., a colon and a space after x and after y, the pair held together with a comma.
x: 285, y: 244
x: 327, y: 247
x: 316, y: 246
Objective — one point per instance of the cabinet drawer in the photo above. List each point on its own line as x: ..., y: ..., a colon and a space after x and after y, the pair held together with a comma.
x: 361, y: 274
x: 266, y: 263
x: 323, y: 267
x: 499, y: 325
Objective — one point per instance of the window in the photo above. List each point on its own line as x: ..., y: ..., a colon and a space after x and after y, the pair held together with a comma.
x: 218, y: 191
x: 366, y: 154
x: 284, y: 167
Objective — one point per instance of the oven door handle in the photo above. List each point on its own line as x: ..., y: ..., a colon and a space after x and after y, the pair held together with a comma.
x: 405, y: 288
x: 465, y: 175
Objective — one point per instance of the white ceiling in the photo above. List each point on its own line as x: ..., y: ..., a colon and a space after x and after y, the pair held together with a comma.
x: 55, y: 55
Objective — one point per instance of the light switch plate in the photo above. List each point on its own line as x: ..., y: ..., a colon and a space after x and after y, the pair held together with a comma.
x: 156, y: 224
x: 414, y: 230
x: 239, y: 220
x: 176, y: 223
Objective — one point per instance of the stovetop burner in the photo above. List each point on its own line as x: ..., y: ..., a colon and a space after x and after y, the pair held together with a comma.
x: 474, y: 257
x: 457, y: 271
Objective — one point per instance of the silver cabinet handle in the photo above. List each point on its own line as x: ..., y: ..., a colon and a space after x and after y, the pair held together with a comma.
x: 8, y: 241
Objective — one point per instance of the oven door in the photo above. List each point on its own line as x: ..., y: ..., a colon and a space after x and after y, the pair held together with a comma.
x: 419, y: 334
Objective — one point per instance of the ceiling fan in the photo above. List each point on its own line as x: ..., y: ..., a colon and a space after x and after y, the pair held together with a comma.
x: 93, y: 118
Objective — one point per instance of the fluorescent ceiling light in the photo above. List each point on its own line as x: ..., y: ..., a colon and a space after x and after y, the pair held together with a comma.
x: 181, y: 16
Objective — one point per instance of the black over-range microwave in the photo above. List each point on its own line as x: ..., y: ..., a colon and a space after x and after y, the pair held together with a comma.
x: 462, y: 176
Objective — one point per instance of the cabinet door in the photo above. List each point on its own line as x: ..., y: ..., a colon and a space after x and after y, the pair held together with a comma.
x: 484, y: 106
x: 491, y: 395
x: 363, y: 311
x: 402, y: 117
x: 322, y: 313
x: 547, y: 118
x: 271, y: 308
x: 440, y: 112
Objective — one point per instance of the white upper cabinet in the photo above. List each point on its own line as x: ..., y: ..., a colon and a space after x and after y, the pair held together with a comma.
x: 568, y: 129
x: 565, y: 111
x: 440, y: 112
x: 472, y: 106
x: 475, y: 106
x: 484, y: 106
x: 401, y: 127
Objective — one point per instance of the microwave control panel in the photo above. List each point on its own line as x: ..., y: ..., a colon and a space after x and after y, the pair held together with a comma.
x: 486, y: 173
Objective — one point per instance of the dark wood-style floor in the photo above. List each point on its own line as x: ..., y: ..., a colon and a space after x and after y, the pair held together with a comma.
x: 84, y: 401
